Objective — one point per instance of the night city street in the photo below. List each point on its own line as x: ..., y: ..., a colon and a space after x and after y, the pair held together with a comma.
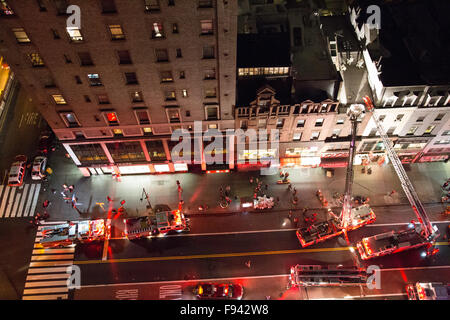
x: 267, y: 151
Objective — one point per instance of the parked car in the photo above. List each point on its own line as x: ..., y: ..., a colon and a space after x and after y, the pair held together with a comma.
x: 218, y: 291
x: 45, y: 143
x: 39, y: 166
x: 17, y: 171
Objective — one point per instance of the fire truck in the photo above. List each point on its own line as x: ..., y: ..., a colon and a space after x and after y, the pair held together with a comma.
x: 423, y: 235
x: 65, y: 234
x: 158, y: 221
x: 350, y: 218
x: 428, y: 291
x: 325, y: 276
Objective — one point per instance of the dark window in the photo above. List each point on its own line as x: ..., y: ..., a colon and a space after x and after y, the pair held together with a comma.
x: 171, y: 2
x: 156, y: 150
x: 55, y: 34
x: 174, y: 28
x: 40, y: 4
x: 129, y: 151
x: 210, y: 74
x: 162, y: 55
x: 136, y: 96
x: 103, y: 98
x: 108, y: 6
x: 87, y: 99
x: 124, y: 57
x: 182, y: 75
x: 151, y: 5
x: 179, y: 55
x: 439, y: 117
x: 205, y: 3
x: 85, y: 59
x: 142, y: 116
x: 67, y: 58
x: 208, y: 52
x: 61, y: 6
x: 78, y: 80
x: 131, y: 78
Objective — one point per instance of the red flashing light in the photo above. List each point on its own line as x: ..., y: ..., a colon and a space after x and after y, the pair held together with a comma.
x: 218, y: 171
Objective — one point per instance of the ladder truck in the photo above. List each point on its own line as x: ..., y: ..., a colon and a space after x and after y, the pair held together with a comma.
x: 326, y: 276
x: 414, y: 236
x: 350, y: 218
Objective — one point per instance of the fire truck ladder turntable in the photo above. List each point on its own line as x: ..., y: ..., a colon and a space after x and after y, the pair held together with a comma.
x: 426, y: 231
x: 350, y: 218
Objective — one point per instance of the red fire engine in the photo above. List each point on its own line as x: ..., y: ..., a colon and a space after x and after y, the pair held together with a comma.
x: 422, y: 235
x: 350, y: 218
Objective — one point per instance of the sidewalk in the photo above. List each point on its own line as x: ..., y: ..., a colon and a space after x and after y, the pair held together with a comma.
x: 203, y: 188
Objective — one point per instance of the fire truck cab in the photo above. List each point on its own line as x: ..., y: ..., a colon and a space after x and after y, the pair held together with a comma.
x: 428, y: 291
x: 65, y: 234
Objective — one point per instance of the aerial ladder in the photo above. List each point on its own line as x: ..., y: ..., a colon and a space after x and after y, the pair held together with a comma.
x: 415, y: 236
x: 350, y: 218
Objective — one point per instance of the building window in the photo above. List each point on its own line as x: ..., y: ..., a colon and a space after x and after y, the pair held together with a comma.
x: 297, y: 136
x: 116, y: 32
x: 399, y: 117
x: 446, y: 133
x: 152, y: 5
x: 162, y: 55
x: 212, y: 113
x: 70, y: 119
x: 74, y: 34
x: 103, y: 98
x: 390, y: 131
x: 111, y: 118
x: 205, y: 3
x: 188, y: 113
x: 49, y: 82
x: 381, y: 118
x: 210, y: 74
x: 129, y: 151
x: 21, y: 35
x: 85, y: 59
x: 108, y: 6
x: 429, y: 130
x: 179, y: 55
x: 206, y: 27
x: 124, y: 57
x: 208, y: 52
x: 67, y: 58
x: 156, y: 150
x: 89, y: 153
x: 94, y: 79
x: 136, y: 96
x: 373, y: 132
x: 59, y: 99
x: 61, y: 6
x: 166, y: 76
x: 420, y: 119
x: 315, y: 135
x: 170, y: 95
x: 157, y: 30
x: 55, y: 34
x: 36, y: 60
x: 340, y: 121
x: 336, y: 133
x: 300, y: 123
x: 182, y: 75
x: 210, y: 93
x: 319, y: 122
x: 131, y: 78
x: 439, y: 117
x: 280, y: 123
x: 78, y: 80
x: 412, y: 130
x: 173, y: 114
x: 175, y: 28
x: 148, y: 131
x: 171, y: 3
x: 142, y: 116
x: 5, y: 9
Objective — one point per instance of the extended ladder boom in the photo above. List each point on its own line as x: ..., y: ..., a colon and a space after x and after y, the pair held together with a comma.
x: 406, y: 184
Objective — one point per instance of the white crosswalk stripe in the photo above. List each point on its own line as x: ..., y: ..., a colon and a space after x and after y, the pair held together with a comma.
x: 49, y: 270
x: 16, y: 202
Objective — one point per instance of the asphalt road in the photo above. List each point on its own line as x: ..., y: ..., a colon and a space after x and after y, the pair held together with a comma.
x: 209, y: 256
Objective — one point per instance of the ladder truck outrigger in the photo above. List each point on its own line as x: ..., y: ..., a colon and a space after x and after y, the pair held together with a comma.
x: 414, y: 236
x: 350, y: 218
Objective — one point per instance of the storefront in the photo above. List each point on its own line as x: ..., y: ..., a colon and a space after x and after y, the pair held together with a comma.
x: 429, y: 157
x: 255, y: 159
x: 371, y: 158
x: 334, y: 160
x: 300, y: 157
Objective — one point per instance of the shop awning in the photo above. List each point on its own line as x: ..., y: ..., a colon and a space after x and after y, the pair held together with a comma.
x: 334, y: 162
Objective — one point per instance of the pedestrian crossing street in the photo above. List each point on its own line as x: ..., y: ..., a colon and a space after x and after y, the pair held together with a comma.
x: 49, y: 270
x: 19, y: 201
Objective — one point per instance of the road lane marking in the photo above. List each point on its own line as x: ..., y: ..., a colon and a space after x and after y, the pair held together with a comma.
x: 233, y: 278
x: 34, y: 284
x: 47, y: 270
x: 52, y: 257
x: 22, y: 200
x: 35, y: 199
x: 216, y: 255
x: 46, y: 290
x: 30, y: 195
x: 16, y: 202
x: 10, y: 202
x: 46, y: 297
x: 48, y: 276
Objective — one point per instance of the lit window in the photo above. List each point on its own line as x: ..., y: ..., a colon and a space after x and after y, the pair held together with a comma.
x: 429, y: 130
x: 173, y: 115
x: 184, y: 93
x: 297, y: 136
x: 151, y: 5
x: 336, y: 133
x: 36, y: 60
x: 210, y: 93
x: 170, y: 95
x: 300, y: 123
x: 315, y: 135
x: 103, y: 98
x: 212, y: 126
x: 148, y: 131
x: 340, y: 121
x: 21, y: 35
x: 136, y: 96
x: 94, y: 79
x: 206, y: 26
x: 280, y: 123
x: 212, y: 113
x: 319, y: 122
x: 412, y: 130
x: 157, y: 30
x: 112, y: 118
x: 59, y: 99
x: 74, y: 34
x: 166, y: 76
x: 116, y: 32
x: 70, y: 119
x: 118, y: 132
x: 211, y: 74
